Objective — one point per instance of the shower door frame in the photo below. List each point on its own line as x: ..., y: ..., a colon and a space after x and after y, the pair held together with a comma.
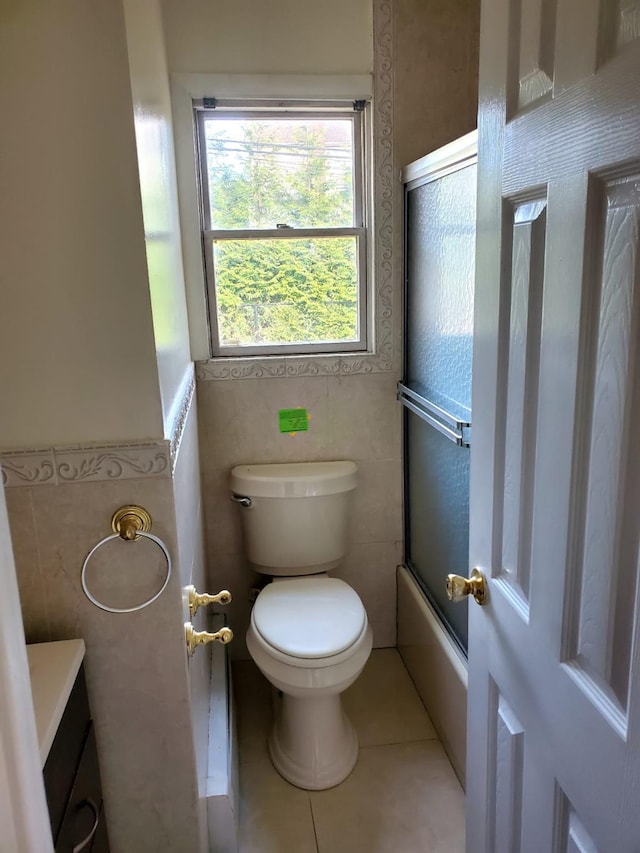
x: 457, y: 155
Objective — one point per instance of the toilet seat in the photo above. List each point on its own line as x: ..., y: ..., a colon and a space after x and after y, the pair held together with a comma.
x: 309, y: 621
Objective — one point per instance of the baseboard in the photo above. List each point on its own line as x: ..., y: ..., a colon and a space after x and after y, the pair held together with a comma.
x: 223, y: 798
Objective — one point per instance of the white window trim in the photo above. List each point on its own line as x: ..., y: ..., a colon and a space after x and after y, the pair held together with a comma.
x: 360, y: 122
x: 382, y: 354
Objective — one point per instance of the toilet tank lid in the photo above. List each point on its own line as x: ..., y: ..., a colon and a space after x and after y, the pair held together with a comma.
x: 294, y: 479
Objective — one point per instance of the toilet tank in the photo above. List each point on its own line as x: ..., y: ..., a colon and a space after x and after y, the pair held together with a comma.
x: 298, y: 517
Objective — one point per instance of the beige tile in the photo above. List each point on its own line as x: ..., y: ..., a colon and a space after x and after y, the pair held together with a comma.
x: 237, y: 425
x: 135, y: 663
x: 254, y: 717
x: 377, y: 502
x: 239, y: 421
x: 136, y: 677
x: 364, y: 416
x: 229, y: 571
x: 25, y: 552
x: 383, y: 704
x: 370, y: 568
x: 222, y: 515
x: 71, y: 519
x: 275, y: 817
x: 384, y: 632
x: 402, y: 798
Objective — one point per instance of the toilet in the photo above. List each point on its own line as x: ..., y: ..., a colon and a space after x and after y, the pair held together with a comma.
x: 309, y: 633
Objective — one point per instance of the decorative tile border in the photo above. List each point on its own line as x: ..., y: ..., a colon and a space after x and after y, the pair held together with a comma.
x: 91, y: 463
x: 180, y: 421
x: 85, y: 464
x: 29, y: 468
x: 384, y: 201
x: 88, y: 465
x: 240, y: 368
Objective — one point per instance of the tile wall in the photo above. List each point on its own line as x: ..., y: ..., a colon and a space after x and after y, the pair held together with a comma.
x: 356, y: 416
x: 352, y: 417
x: 150, y: 704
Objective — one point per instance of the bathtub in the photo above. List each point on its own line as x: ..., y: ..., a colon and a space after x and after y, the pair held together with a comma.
x: 437, y: 667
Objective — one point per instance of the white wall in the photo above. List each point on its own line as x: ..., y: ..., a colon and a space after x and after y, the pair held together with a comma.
x: 279, y: 36
x: 78, y: 356
x: 156, y: 161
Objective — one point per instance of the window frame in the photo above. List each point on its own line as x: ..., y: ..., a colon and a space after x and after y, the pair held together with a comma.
x: 204, y: 110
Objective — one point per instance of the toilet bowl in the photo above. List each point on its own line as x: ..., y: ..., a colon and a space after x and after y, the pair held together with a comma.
x: 309, y: 634
x: 312, y: 743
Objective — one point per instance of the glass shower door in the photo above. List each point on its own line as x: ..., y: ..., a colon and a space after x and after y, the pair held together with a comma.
x: 436, y: 391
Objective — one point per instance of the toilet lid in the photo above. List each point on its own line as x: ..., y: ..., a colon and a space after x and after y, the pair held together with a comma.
x: 309, y: 617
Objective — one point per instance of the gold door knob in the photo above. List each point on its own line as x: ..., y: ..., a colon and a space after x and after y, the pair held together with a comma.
x: 201, y: 599
x: 459, y: 588
x: 202, y: 638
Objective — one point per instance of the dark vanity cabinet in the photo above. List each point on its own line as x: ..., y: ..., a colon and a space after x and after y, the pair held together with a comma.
x: 72, y: 780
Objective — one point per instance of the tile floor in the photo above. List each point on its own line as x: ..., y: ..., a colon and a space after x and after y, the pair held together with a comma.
x: 402, y: 797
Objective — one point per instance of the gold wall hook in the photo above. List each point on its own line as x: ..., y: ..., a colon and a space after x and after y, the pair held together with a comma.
x: 459, y: 588
x: 202, y: 638
x: 202, y: 599
x: 129, y: 520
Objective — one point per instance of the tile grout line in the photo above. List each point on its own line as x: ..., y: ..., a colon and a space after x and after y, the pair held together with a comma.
x: 254, y: 759
x: 434, y: 739
x: 313, y: 823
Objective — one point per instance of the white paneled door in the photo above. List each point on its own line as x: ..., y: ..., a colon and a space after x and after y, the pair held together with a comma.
x: 554, y: 656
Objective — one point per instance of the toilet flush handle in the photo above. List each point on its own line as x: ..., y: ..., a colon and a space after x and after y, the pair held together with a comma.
x: 243, y: 500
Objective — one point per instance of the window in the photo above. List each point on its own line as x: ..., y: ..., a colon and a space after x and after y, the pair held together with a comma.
x: 283, y: 215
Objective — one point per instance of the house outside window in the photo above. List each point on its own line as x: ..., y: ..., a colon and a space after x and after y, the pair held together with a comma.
x: 284, y: 225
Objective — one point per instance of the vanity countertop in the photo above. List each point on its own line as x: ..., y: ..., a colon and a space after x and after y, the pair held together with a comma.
x: 53, y: 668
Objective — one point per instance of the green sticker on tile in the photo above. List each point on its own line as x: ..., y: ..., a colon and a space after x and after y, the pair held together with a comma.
x: 293, y: 420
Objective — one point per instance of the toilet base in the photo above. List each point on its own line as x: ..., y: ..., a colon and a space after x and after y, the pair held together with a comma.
x: 312, y: 743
